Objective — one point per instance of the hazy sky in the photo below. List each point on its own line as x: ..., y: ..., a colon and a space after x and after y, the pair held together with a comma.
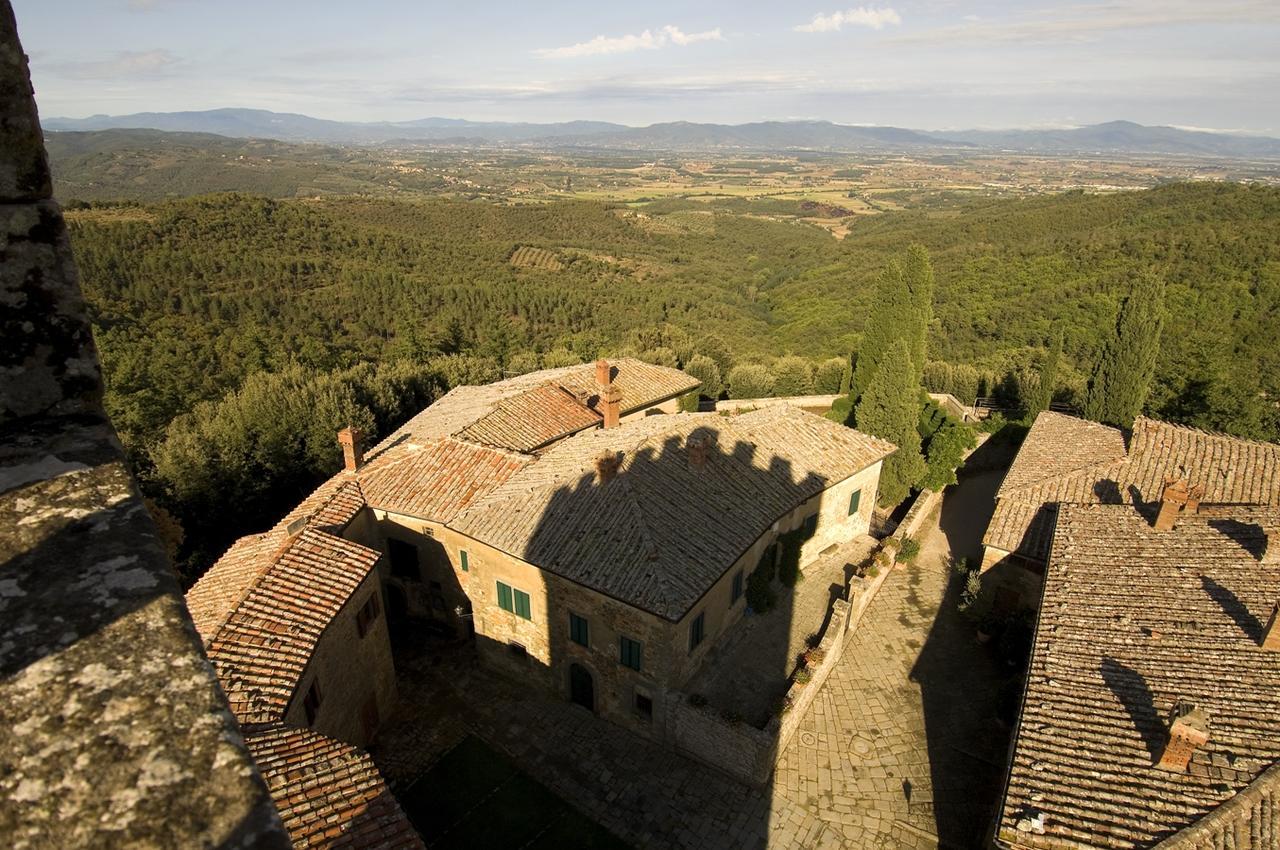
x: 925, y: 64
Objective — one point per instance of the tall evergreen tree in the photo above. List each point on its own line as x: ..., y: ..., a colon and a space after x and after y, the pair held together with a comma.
x: 917, y: 270
x: 1043, y: 396
x: 846, y: 379
x: 1122, y: 378
x: 889, y: 409
x: 890, y: 320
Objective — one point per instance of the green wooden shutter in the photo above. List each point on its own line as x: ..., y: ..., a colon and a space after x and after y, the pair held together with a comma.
x: 854, y: 501
x: 522, y: 607
x: 462, y: 554
x: 504, y: 597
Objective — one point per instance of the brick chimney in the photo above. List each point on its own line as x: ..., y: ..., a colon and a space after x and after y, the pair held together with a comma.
x: 1188, y: 732
x: 697, y: 449
x: 1271, y: 635
x: 607, y: 465
x: 611, y: 405
x: 604, y: 373
x: 1177, y: 499
x: 352, y: 442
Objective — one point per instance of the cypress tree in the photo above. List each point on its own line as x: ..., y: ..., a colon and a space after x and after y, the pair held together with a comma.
x: 846, y: 379
x: 1041, y: 398
x: 890, y: 320
x: 918, y: 274
x: 1122, y: 377
x: 890, y: 409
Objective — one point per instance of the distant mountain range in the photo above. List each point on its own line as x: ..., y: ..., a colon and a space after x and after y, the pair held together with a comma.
x: 1114, y: 137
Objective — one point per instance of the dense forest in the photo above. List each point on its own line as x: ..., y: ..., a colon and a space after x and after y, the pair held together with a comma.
x: 193, y: 298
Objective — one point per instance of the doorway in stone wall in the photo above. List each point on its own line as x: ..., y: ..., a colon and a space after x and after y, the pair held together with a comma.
x: 582, y: 688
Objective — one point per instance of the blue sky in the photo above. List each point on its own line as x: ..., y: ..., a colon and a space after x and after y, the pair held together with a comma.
x: 933, y: 64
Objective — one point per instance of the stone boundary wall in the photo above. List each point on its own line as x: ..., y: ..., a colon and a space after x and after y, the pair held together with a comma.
x: 946, y: 401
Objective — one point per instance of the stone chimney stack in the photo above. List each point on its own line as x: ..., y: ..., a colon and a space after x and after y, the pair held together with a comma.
x: 697, y: 449
x: 611, y: 406
x: 607, y: 465
x: 1188, y: 732
x: 352, y: 442
x: 1177, y: 499
x: 604, y: 373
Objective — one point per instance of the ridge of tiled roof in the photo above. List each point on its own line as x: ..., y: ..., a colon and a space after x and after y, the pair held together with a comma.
x: 1058, y: 445
x: 263, y: 648
x: 1233, y: 470
x: 640, y: 384
x: 660, y: 533
x: 438, y: 479
x: 329, y: 793
x: 530, y: 420
x: 1132, y: 620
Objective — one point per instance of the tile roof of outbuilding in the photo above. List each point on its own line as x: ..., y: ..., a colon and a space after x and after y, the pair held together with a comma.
x: 661, y: 532
x: 500, y: 407
x: 1133, y: 620
x: 532, y: 419
x: 1065, y: 459
x: 437, y: 479
x: 329, y: 793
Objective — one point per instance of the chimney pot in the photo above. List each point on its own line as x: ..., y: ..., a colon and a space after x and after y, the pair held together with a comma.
x: 352, y: 442
x: 1175, y: 500
x: 604, y: 373
x: 1188, y: 732
x: 611, y: 406
x: 607, y: 466
x: 697, y: 449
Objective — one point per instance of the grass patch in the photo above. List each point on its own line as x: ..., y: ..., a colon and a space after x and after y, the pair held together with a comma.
x: 477, y: 797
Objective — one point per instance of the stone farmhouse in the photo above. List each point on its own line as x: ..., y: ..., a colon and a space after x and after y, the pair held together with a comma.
x: 590, y: 546
x: 1069, y: 460
x: 1151, y: 716
x: 1151, y: 711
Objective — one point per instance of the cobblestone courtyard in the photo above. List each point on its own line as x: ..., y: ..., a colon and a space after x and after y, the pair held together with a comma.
x: 900, y: 749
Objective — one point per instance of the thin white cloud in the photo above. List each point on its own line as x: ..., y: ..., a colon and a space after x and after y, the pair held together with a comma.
x: 127, y: 63
x: 863, y: 16
x: 603, y: 45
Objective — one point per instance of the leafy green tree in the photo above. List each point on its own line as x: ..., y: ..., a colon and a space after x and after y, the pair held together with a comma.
x: 558, y: 357
x: 1042, y: 397
x: 750, y: 380
x: 1122, y: 378
x: 523, y: 362
x: 792, y: 376
x: 846, y: 376
x: 946, y: 449
x: 890, y: 409
x: 826, y: 378
x: 708, y: 373
x: 660, y: 357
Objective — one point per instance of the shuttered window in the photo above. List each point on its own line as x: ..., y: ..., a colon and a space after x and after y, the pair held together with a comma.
x: 522, y: 605
x: 504, y: 597
x: 462, y: 556
x: 854, y: 501
x: 697, y: 631
x: 629, y: 653
x: 735, y: 591
x: 579, y: 630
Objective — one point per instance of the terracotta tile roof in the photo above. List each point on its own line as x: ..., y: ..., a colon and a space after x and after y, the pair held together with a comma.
x: 329, y: 793
x: 1248, y: 821
x: 263, y: 647
x: 1131, y: 621
x: 641, y: 385
x: 437, y: 480
x: 225, y: 584
x: 532, y: 419
x: 661, y: 532
x: 1081, y: 464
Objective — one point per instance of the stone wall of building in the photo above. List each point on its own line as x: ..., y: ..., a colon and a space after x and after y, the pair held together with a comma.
x: 356, y: 674
x: 739, y: 749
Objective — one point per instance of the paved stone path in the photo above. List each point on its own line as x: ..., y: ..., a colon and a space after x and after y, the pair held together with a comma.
x: 899, y: 749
